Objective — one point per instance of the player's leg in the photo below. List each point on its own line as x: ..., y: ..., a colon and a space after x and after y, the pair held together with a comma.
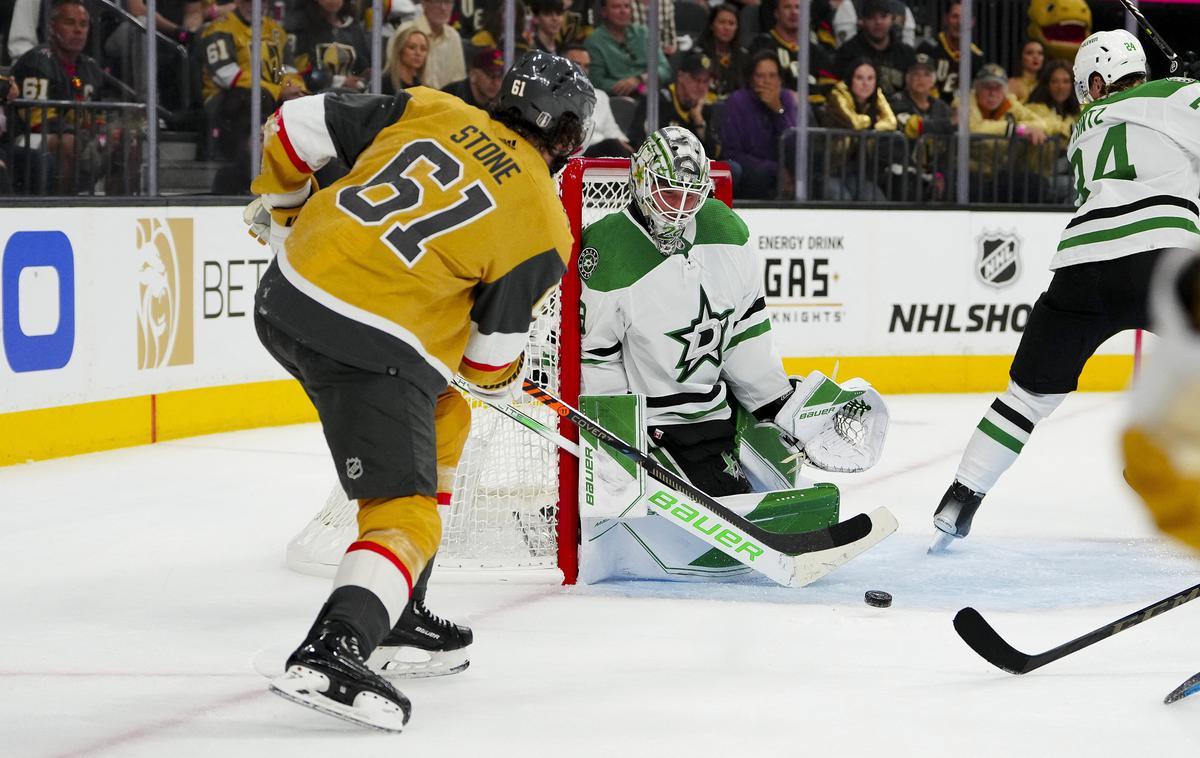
x: 380, y: 431
x: 423, y: 644
x: 1069, y: 321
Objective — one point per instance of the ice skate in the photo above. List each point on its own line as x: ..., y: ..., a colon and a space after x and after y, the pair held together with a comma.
x: 328, y: 674
x: 422, y: 644
x: 953, y: 516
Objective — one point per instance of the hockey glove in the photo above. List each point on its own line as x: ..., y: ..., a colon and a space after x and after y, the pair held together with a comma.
x: 505, y: 388
x: 270, y: 217
x: 837, y: 427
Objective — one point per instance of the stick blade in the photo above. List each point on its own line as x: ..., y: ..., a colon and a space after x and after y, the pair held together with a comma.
x: 983, y: 639
x: 1190, y: 687
x: 857, y: 535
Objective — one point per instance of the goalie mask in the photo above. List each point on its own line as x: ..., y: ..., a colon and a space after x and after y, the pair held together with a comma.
x: 1113, y: 55
x: 669, y: 182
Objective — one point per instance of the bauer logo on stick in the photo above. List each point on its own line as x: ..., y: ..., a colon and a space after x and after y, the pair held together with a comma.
x: 999, y: 261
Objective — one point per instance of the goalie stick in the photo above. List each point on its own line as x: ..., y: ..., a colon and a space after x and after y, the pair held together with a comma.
x: 1190, y: 687
x: 1153, y: 35
x: 984, y: 640
x: 792, y: 560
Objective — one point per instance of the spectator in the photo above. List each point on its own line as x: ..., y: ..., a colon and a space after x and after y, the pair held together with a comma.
x: 720, y: 43
x: 549, y: 17
x: 858, y: 103
x: 845, y: 21
x: 876, y: 43
x: 945, y: 52
x: 666, y: 23
x: 227, y: 78
x: 446, y: 62
x: 752, y: 121
x: 493, y: 33
x: 783, y: 40
x: 406, y: 66
x: 917, y: 110
x: 126, y: 46
x: 483, y: 79
x: 618, y: 50
x: 331, y: 47
x: 607, y: 141
x: 8, y: 93
x: 23, y: 30
x: 918, y: 113
x: 58, y: 70
x: 1033, y: 57
x: 1053, y: 101
x: 997, y: 173
x: 578, y: 25
x: 686, y: 103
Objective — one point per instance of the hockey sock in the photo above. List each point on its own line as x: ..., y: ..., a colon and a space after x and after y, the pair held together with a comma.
x: 1001, y: 435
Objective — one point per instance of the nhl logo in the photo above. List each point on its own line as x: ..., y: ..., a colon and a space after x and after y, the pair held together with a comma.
x: 999, y: 261
x: 543, y: 120
x: 354, y: 468
x: 588, y: 258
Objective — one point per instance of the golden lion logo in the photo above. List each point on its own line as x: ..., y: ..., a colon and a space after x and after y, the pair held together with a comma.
x: 165, y: 313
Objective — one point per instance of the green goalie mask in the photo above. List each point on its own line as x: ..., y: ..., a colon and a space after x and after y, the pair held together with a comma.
x: 669, y: 181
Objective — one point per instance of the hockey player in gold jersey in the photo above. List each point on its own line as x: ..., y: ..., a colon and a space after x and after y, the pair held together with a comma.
x: 426, y: 260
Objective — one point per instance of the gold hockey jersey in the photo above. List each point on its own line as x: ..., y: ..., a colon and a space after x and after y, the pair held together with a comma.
x: 226, y: 44
x: 428, y: 258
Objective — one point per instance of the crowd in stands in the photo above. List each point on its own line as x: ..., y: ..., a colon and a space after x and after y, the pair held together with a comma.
x: 883, y: 91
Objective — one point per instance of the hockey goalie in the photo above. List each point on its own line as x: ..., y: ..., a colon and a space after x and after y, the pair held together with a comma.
x: 677, y: 357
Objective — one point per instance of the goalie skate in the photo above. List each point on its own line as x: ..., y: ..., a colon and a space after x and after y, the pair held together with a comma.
x: 422, y: 645
x: 328, y: 674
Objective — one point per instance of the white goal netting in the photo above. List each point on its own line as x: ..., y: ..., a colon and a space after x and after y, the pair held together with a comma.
x: 505, y: 504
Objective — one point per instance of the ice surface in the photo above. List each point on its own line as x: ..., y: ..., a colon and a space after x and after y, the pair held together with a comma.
x: 144, y: 590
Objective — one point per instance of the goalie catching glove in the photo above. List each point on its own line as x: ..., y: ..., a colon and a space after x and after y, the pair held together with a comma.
x: 838, y: 427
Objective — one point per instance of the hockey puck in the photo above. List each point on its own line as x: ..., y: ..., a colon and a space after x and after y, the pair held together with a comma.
x: 878, y: 598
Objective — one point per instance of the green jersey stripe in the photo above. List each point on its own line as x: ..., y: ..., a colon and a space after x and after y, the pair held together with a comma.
x: 757, y: 330
x: 1126, y: 230
x: 1001, y: 436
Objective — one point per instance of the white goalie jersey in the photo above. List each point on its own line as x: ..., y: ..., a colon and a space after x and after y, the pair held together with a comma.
x: 684, y: 330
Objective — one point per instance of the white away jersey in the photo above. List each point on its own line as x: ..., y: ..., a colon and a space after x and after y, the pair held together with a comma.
x: 1136, y: 160
x: 682, y: 329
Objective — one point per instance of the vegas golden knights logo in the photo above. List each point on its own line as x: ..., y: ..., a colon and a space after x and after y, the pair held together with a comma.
x: 165, y: 273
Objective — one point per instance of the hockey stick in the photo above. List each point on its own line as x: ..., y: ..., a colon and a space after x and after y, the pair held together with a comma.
x: 983, y: 639
x: 525, y: 420
x: 1153, y: 35
x: 1190, y: 687
x: 793, y: 560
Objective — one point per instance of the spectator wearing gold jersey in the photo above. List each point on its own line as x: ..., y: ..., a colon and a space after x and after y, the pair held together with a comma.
x: 997, y: 175
x: 858, y: 103
x: 228, y: 74
x: 1053, y: 101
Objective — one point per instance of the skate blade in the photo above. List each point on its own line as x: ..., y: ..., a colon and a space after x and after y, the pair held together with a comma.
x: 940, y: 542
x: 414, y: 663
x: 303, y: 686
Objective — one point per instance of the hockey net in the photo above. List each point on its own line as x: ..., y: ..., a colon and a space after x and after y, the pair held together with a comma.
x: 513, y: 504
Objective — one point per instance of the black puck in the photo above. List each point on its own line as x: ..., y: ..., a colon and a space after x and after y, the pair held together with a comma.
x: 878, y: 598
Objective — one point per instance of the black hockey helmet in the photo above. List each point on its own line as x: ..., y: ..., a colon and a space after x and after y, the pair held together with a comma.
x: 549, y: 99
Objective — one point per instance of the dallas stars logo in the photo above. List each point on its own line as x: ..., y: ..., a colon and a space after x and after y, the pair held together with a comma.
x: 702, y: 339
